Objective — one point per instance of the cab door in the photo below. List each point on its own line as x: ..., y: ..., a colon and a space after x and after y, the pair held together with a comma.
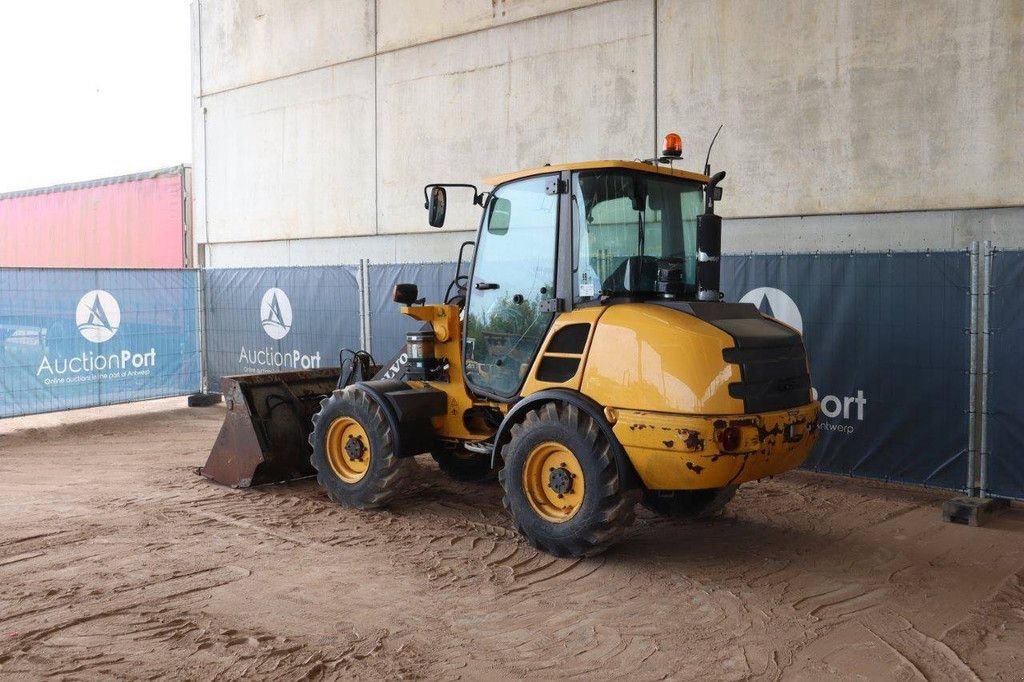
x: 512, y: 288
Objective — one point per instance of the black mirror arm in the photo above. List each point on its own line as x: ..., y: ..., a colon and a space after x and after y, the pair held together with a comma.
x: 478, y: 197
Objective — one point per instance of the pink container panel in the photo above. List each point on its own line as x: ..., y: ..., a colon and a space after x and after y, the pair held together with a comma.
x: 132, y: 224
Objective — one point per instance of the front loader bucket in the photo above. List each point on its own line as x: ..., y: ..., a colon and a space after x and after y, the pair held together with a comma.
x: 265, y: 436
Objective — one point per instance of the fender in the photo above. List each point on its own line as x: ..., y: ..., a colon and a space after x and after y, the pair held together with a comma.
x: 586, y: 405
x: 408, y: 412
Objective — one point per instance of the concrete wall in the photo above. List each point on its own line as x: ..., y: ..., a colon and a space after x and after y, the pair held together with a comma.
x: 319, y: 122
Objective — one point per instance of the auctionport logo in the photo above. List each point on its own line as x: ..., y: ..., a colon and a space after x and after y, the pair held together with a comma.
x: 98, y: 316
x: 276, y: 313
x: 776, y: 303
x: 849, y: 409
x: 276, y: 320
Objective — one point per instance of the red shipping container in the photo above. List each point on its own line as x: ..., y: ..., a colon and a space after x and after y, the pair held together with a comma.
x: 132, y: 221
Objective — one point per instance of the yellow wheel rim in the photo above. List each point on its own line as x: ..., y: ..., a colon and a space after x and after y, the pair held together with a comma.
x: 553, y: 482
x: 348, y: 449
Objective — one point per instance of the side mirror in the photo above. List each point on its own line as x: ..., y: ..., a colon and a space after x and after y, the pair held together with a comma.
x: 436, y: 204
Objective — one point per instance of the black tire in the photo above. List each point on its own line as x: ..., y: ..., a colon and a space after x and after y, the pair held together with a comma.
x: 607, y: 507
x: 463, y: 465
x: 689, y: 504
x: 204, y: 399
x: 385, y: 471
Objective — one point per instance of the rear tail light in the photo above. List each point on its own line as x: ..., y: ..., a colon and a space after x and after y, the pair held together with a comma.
x: 729, y: 438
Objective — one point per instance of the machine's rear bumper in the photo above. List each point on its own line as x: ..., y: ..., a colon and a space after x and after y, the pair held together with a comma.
x: 682, y: 452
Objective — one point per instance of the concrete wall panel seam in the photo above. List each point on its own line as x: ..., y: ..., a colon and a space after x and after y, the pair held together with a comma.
x: 848, y: 126
x: 379, y: 52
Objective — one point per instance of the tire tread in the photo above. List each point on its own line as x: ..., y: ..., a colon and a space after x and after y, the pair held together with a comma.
x: 616, y: 506
x: 386, y: 476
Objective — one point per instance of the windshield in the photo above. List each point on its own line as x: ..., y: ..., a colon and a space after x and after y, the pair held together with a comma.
x: 624, y: 223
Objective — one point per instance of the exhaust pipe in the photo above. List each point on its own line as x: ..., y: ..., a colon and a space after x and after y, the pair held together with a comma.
x: 709, y: 245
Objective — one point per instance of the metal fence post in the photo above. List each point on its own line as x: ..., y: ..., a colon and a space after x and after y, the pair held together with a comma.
x: 972, y: 400
x: 984, y: 335
x: 365, y: 336
x: 362, y: 307
x: 204, y: 398
x: 978, y: 508
x: 201, y: 302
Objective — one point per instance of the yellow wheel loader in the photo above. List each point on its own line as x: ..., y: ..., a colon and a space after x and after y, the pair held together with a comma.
x: 586, y: 357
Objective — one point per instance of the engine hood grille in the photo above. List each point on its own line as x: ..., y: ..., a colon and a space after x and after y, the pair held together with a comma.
x: 770, y: 355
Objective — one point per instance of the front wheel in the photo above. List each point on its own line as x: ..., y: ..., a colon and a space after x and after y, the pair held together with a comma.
x: 353, y: 451
x: 562, y: 486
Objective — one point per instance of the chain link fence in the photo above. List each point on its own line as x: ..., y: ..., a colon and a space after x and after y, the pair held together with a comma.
x: 887, y: 335
x: 278, y: 319
x: 78, y: 338
x: 388, y: 325
x: 913, y: 355
x: 1002, y: 448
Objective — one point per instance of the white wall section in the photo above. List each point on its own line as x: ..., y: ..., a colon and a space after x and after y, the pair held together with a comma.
x: 878, y: 125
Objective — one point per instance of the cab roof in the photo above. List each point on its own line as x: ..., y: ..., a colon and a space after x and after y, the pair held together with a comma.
x: 496, y: 180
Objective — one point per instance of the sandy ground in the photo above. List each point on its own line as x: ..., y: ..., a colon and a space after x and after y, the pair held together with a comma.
x: 117, y: 560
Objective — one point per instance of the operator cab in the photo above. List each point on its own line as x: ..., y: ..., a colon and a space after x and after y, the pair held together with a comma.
x: 557, y: 238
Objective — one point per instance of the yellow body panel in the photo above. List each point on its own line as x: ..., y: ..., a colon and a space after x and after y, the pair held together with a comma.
x: 679, y: 452
x: 661, y: 377
x: 656, y: 359
x: 592, y: 165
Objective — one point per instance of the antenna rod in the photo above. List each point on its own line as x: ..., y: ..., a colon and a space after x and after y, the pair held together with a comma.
x: 707, y: 160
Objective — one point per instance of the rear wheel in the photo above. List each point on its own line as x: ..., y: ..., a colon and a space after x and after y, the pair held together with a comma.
x: 463, y: 465
x: 353, y: 451
x: 689, y: 504
x: 561, y: 483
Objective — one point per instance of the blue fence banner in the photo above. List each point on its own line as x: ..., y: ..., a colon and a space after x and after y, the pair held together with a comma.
x: 260, y: 320
x: 387, y: 325
x: 1005, y: 460
x: 82, y: 338
x: 887, y: 339
x: 887, y: 336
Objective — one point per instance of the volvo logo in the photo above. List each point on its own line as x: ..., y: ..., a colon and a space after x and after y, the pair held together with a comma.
x: 776, y: 303
x: 98, y: 316
x: 276, y: 313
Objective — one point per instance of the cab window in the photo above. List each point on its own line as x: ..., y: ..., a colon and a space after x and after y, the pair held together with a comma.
x: 624, y: 223
x: 514, y: 273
